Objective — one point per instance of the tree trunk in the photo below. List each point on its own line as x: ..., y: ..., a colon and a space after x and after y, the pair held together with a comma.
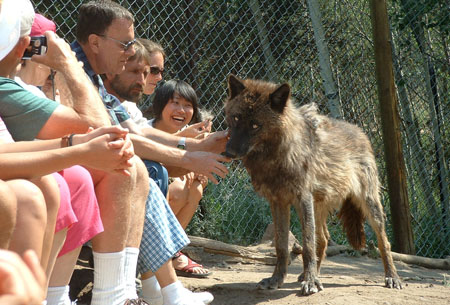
x: 331, y: 91
x: 398, y: 193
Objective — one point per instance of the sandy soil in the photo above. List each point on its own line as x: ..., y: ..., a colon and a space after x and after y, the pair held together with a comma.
x: 346, y: 279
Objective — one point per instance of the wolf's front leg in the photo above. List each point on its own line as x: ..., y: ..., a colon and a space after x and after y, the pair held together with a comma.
x: 309, y: 280
x: 281, y: 220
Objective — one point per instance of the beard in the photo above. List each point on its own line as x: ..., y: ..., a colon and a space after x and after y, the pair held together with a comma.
x: 127, y: 93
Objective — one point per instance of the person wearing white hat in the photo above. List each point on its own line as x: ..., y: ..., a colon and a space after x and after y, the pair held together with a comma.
x: 28, y: 116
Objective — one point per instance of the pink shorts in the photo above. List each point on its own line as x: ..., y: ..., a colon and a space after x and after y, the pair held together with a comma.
x: 66, y: 216
x: 85, y: 207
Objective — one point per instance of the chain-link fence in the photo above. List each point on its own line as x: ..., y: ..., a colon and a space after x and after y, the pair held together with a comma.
x: 324, y: 50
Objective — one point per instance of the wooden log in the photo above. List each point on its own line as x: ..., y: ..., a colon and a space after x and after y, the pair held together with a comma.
x: 262, y: 253
x: 432, y: 263
x: 266, y: 254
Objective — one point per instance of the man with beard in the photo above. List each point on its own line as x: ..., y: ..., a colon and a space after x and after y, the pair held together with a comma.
x: 128, y: 87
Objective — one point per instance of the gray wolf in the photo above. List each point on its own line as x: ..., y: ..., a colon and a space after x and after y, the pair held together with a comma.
x: 298, y: 157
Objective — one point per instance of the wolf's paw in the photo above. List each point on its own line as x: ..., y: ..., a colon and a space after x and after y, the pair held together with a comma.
x: 393, y: 282
x: 270, y: 283
x: 309, y: 284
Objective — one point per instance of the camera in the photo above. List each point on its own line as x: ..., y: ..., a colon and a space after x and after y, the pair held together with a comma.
x: 38, y: 45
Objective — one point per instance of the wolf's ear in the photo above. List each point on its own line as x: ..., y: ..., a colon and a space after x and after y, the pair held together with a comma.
x: 279, y: 97
x: 235, y: 86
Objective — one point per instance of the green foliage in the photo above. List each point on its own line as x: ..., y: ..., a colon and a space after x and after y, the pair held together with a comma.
x: 229, y: 215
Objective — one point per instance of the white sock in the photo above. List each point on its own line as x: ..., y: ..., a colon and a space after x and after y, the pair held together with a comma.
x: 58, y: 295
x: 131, y: 257
x: 176, y: 294
x: 109, y: 278
x: 172, y: 294
x: 151, y: 291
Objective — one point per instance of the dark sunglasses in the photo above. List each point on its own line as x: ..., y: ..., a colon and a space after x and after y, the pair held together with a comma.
x: 125, y: 46
x: 156, y: 71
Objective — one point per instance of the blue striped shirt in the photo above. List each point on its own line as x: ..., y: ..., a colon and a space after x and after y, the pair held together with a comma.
x: 117, y: 112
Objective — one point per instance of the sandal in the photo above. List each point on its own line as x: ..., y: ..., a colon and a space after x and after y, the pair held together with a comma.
x: 188, y: 270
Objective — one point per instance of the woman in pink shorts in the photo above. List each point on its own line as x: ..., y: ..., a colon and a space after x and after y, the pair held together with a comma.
x: 78, y: 217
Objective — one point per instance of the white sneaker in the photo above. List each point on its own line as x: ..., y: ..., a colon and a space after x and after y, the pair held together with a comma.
x: 201, y: 297
x: 204, y: 297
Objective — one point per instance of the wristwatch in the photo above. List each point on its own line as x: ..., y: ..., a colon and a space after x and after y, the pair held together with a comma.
x: 182, y: 143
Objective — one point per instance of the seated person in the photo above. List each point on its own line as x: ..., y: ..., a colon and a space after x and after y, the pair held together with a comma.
x: 174, y: 107
x: 117, y: 195
x: 129, y: 86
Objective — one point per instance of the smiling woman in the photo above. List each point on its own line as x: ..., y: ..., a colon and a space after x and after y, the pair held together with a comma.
x: 174, y: 106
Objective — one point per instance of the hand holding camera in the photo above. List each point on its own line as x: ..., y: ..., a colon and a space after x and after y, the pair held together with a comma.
x: 38, y: 46
x: 52, y: 51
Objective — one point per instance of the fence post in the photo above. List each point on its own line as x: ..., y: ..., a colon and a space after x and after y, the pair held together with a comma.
x: 398, y: 193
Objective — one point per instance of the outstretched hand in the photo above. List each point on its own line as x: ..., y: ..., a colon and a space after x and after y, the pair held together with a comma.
x: 197, y: 130
x: 208, y: 164
x: 215, y: 142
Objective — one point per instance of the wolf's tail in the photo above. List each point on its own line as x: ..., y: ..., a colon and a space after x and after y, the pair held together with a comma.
x: 352, y: 219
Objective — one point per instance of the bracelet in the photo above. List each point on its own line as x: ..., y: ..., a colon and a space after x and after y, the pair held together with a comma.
x: 66, y: 141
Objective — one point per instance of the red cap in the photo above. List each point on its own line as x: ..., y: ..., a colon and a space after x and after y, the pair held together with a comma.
x: 41, y: 25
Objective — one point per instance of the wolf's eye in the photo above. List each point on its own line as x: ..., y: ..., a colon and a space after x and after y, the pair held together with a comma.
x: 254, y: 126
x: 236, y: 118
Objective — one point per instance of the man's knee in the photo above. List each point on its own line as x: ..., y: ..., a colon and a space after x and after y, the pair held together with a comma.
x: 142, y: 176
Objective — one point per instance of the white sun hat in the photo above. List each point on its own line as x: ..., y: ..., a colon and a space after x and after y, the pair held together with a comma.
x: 16, y: 18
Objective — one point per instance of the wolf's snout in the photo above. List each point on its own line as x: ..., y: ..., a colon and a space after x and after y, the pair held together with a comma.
x: 230, y: 152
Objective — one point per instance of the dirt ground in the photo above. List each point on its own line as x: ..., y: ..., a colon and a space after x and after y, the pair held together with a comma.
x: 346, y: 279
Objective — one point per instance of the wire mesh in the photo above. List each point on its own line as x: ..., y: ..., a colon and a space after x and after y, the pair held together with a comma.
x: 205, y: 41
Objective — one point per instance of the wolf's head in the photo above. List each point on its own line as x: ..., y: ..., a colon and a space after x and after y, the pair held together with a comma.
x: 253, y: 111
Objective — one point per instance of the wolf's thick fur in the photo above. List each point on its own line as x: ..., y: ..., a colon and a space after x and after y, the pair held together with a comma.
x: 296, y: 156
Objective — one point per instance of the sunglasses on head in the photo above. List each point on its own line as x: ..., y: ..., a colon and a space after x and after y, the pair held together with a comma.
x: 156, y: 70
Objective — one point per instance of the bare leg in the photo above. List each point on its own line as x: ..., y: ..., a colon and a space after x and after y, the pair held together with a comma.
x: 64, y: 267
x: 50, y: 190
x: 8, y: 212
x: 113, y: 193
x: 58, y: 242
x: 138, y: 199
x: 119, y: 199
x: 31, y: 217
x: 184, y: 200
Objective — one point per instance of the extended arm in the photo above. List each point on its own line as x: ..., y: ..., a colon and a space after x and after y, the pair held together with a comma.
x: 106, y: 149
x: 201, y: 162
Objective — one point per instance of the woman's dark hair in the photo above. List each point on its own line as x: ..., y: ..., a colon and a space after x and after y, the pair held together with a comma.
x: 96, y: 16
x: 166, y: 91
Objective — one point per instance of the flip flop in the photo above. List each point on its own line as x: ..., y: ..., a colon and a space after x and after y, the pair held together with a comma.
x: 188, y: 270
